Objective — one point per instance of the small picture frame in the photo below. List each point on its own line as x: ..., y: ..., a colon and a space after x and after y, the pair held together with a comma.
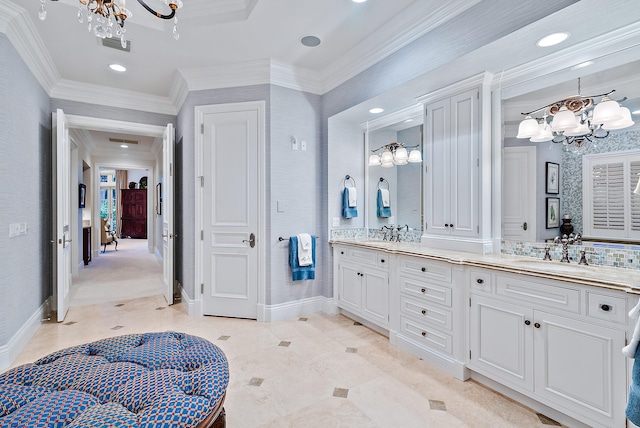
x: 82, y: 193
x: 553, y: 178
x: 159, y: 199
x: 553, y: 213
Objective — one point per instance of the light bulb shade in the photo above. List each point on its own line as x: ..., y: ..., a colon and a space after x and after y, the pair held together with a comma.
x: 563, y: 120
x: 401, y: 155
x: 544, y: 134
x: 387, y: 157
x: 388, y: 164
x: 400, y: 162
x: 637, y: 189
x: 580, y: 130
x: 415, y: 156
x: 527, y: 128
x: 374, y: 160
x: 625, y: 122
x: 606, y: 111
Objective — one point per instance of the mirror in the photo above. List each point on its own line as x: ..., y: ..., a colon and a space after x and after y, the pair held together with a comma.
x: 626, y: 81
x: 404, y: 182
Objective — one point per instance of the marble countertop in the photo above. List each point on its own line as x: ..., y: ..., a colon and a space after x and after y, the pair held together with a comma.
x: 627, y: 280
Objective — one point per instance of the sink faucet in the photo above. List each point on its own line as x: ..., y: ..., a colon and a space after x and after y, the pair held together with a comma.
x: 565, y: 241
x: 398, y: 230
x: 385, y: 232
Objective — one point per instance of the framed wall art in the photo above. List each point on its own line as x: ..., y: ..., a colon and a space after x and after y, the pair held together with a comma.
x: 553, y: 178
x: 553, y: 213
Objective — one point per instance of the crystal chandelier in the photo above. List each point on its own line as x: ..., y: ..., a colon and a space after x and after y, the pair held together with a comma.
x: 110, y: 14
x: 393, y: 154
x: 575, y: 120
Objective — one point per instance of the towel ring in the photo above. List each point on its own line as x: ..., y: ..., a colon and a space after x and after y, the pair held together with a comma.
x: 382, y: 180
x: 348, y: 177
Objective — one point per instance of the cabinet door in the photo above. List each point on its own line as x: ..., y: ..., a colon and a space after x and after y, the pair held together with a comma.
x: 437, y: 178
x: 464, y: 186
x: 375, y: 298
x: 580, y: 367
x: 349, y: 288
x: 502, y: 341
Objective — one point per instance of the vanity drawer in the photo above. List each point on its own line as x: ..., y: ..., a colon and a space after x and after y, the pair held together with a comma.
x: 383, y: 260
x: 608, y: 308
x: 360, y: 256
x: 481, y: 281
x: 425, y: 268
x: 426, y: 291
x: 533, y: 292
x: 436, y: 316
x: 426, y: 336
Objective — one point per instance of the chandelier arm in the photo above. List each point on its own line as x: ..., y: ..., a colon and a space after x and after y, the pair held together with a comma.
x: 159, y: 15
x: 556, y: 102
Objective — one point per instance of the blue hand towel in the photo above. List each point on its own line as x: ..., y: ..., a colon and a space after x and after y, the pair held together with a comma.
x: 381, y: 210
x: 347, y: 211
x: 633, y: 403
x: 299, y: 273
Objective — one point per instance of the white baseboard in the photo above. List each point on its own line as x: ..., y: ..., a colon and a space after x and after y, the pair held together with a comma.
x: 10, y: 351
x: 193, y: 307
x: 298, y: 308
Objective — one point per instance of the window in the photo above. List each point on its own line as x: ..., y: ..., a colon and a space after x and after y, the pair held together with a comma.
x: 611, y: 209
x: 108, y: 198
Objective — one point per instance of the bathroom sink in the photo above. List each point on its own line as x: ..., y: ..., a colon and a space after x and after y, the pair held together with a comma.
x: 550, y: 266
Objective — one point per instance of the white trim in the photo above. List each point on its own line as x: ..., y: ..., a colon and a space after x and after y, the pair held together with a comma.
x: 15, y: 345
x: 227, y: 75
x: 472, y: 82
x: 297, y: 308
x: 200, y: 111
x: 300, y: 79
x: 192, y: 307
x: 178, y: 90
x: 110, y: 125
x: 392, y: 119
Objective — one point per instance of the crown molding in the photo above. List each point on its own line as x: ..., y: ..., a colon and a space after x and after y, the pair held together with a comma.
x: 16, y: 24
x: 463, y: 85
x: 178, y: 90
x: 300, y: 79
x: 393, y: 118
x: 393, y: 36
x: 112, y: 97
x: 227, y: 75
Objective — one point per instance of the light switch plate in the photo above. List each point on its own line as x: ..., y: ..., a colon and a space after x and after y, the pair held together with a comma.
x: 294, y: 144
x: 335, y: 222
x: 303, y: 145
x: 280, y: 206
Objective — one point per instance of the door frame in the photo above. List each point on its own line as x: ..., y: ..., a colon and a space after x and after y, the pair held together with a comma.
x: 532, y: 153
x: 200, y: 112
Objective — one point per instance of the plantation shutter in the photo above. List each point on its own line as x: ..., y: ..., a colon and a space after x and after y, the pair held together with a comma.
x: 634, y: 206
x: 608, y: 196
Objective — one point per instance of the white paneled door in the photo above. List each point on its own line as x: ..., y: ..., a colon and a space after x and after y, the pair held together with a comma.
x: 519, y: 193
x: 62, y: 213
x: 166, y: 207
x: 231, y: 136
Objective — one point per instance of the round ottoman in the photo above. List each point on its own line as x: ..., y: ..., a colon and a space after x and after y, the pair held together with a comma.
x: 166, y: 379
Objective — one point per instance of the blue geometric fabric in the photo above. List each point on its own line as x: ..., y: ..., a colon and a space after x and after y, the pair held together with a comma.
x: 165, y: 379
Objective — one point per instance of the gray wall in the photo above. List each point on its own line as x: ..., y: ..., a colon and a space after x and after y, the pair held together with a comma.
x: 25, y: 174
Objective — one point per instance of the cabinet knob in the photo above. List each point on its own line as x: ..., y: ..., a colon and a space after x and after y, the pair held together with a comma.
x: 341, y: 252
x: 381, y: 260
x: 527, y: 322
x: 537, y: 325
x: 480, y: 281
x: 446, y: 225
x: 451, y: 225
x: 423, y: 269
x: 424, y: 312
x: 423, y: 290
x: 605, y: 308
x: 424, y: 334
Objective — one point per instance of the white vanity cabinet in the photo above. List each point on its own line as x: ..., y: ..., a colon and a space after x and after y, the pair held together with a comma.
x: 362, y: 283
x: 555, y: 342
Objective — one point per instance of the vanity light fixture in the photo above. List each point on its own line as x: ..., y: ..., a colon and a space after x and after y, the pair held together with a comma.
x: 393, y: 154
x: 110, y: 13
x: 575, y: 120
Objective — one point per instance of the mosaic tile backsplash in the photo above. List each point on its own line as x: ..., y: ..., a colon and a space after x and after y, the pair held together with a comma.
x: 598, y: 254
x: 361, y: 233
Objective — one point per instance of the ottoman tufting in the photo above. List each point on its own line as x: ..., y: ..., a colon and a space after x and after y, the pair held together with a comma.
x: 164, y: 379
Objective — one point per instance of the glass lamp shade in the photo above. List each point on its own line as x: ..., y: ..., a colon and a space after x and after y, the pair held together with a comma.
x: 544, y: 134
x: 415, y: 156
x: 581, y: 129
x: 387, y: 157
x: 400, y: 162
x: 564, y: 120
x: 625, y: 122
x: 374, y: 160
x: 606, y: 111
x: 528, y: 128
x: 401, y: 155
x: 388, y: 164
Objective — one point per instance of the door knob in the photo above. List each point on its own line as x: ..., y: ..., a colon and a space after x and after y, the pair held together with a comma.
x: 251, y: 240
x: 524, y: 225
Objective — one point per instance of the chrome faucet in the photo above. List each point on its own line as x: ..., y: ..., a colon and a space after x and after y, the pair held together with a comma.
x: 382, y: 229
x: 565, y: 241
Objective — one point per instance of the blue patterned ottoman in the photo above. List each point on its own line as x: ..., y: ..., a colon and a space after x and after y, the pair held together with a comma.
x: 139, y: 380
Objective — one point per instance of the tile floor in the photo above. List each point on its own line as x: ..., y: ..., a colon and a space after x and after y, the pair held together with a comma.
x: 317, y: 371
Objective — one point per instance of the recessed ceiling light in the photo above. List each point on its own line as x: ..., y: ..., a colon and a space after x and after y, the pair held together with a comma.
x: 408, y: 120
x: 582, y: 64
x: 310, y: 41
x: 635, y: 112
x: 118, y: 67
x: 376, y: 110
x: 124, y: 146
x: 359, y: 1
x: 552, y: 39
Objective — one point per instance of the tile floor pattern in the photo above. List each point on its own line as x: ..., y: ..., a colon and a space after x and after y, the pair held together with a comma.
x: 333, y: 373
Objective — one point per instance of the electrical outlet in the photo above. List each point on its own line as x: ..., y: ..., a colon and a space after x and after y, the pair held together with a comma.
x: 335, y: 222
x: 303, y: 145
x: 23, y: 228
x: 294, y: 143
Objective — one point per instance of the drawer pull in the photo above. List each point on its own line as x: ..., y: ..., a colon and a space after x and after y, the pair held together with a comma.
x: 424, y: 312
x: 537, y: 325
x: 480, y: 281
x: 381, y: 260
x: 424, y: 269
x: 341, y: 252
x: 605, y: 308
x: 424, y: 290
x: 424, y: 334
x: 527, y: 322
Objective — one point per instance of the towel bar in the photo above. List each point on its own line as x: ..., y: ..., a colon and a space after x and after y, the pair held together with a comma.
x: 382, y: 180
x: 280, y: 238
x: 348, y: 177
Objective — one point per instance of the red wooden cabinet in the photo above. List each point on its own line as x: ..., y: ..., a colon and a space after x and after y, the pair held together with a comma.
x: 134, y: 213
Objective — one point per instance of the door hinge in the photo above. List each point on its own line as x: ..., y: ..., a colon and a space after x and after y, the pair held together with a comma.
x: 478, y: 162
x: 170, y: 169
x: 477, y: 229
x: 469, y: 353
x: 202, y: 128
x: 202, y: 235
x: 469, y: 301
x: 202, y: 288
x: 425, y: 226
x: 202, y: 181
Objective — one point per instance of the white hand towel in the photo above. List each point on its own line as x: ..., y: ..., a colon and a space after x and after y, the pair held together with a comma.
x: 304, y: 250
x: 385, y: 197
x: 353, y: 198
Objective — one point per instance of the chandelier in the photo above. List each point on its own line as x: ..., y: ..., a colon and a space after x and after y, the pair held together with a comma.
x: 393, y: 154
x: 111, y: 14
x: 576, y: 120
